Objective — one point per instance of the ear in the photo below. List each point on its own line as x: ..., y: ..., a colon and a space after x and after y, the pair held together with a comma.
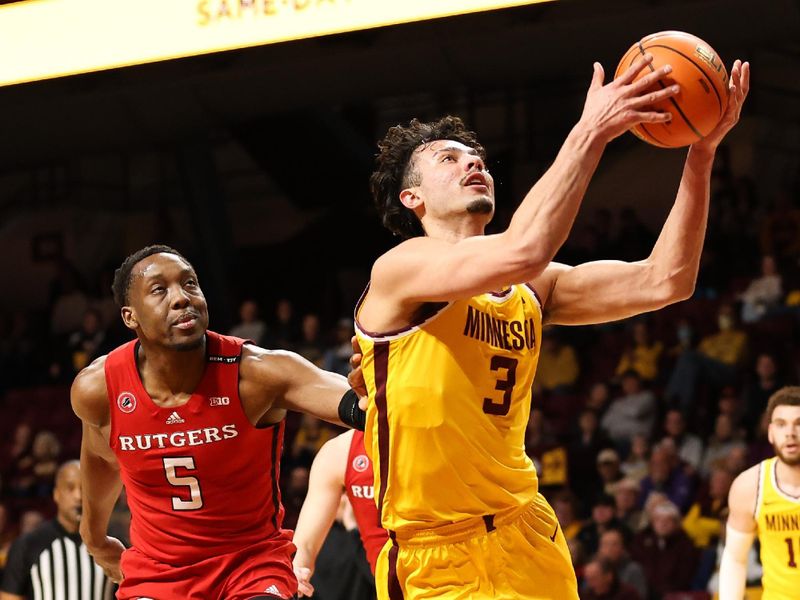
x: 129, y: 317
x: 410, y: 199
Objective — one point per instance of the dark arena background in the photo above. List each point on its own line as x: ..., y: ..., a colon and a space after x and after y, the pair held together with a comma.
x: 250, y: 151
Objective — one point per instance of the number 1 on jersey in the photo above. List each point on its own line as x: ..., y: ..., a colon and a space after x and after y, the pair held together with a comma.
x: 196, y: 497
x: 504, y: 385
x: 790, y: 545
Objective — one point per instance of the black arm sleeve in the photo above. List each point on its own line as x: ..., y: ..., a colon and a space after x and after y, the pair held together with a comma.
x: 349, y: 412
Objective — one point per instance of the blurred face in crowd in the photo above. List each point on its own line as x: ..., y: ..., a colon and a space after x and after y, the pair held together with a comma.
x: 588, y: 422
x: 564, y: 512
x: 283, y: 310
x: 725, y: 318
x: 768, y: 266
x: 784, y: 433
x: 719, y: 484
x: 723, y: 428
x: 29, y: 521
x: 598, y: 396
x: 597, y: 580
x: 660, y: 466
x: 673, y: 423
x: 166, y: 305
x: 67, y: 495
x: 248, y: 312
x: 641, y: 335
x: 665, y: 524
x: 602, y: 513
x: 639, y: 447
x: 611, y: 545
x: 765, y: 366
x: 631, y: 385
x: 310, y: 327
x: 626, y: 498
x: 608, y: 469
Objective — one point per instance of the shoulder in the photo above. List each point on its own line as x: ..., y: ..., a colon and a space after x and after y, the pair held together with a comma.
x: 744, y: 489
x: 405, y: 255
x: 89, y: 393
x: 269, y: 367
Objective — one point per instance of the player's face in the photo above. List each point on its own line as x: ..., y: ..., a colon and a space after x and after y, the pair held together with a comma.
x: 784, y: 434
x: 167, y: 304
x: 67, y: 495
x: 452, y: 179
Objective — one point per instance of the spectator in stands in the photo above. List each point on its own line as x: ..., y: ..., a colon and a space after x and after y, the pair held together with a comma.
x: 284, y: 329
x: 626, y: 503
x: 642, y: 354
x: 601, y: 583
x: 295, y: 489
x: 586, y: 443
x: 730, y: 404
x: 632, y: 413
x: 311, y: 436
x: 310, y: 345
x: 737, y: 458
x: 337, y: 359
x: 30, y: 520
x: 250, y: 325
x: 17, y: 454
x: 608, y: 468
x: 549, y: 456
x: 84, y: 344
x: 704, y: 521
x: 603, y: 518
x: 688, y: 445
x: 763, y: 293
x: 46, y: 450
x: 666, y: 553
x: 713, y: 363
x: 720, y: 444
x: 637, y: 462
x: 612, y: 549
x: 667, y: 477
x: 768, y: 380
x: 68, y: 300
x: 599, y: 397
x: 565, y: 505
x: 558, y: 368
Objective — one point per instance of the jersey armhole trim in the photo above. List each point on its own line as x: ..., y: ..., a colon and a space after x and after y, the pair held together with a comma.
x: 759, y: 490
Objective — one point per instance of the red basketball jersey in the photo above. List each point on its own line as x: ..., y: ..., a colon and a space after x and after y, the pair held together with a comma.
x: 358, y: 482
x: 201, y: 481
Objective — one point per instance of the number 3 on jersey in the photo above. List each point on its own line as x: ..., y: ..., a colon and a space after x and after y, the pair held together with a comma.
x: 196, y: 497
x: 506, y: 385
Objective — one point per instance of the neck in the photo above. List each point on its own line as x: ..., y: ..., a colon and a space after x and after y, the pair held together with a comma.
x: 788, y: 478
x: 454, y: 230
x: 166, y: 372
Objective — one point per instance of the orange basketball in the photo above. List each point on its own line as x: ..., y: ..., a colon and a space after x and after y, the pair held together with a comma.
x: 703, y: 96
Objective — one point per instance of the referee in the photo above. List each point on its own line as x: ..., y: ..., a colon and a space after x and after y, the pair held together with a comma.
x: 51, y: 562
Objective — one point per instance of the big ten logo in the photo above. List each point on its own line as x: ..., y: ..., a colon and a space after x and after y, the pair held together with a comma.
x: 219, y: 400
x: 712, y: 60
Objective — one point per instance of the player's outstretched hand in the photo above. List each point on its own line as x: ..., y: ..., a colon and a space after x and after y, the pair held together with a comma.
x: 355, y: 377
x: 611, y: 109
x: 107, y: 557
x: 738, y: 87
x: 304, y: 587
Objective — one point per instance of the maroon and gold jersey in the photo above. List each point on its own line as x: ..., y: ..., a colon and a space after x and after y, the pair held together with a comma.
x: 201, y: 480
x: 360, y: 489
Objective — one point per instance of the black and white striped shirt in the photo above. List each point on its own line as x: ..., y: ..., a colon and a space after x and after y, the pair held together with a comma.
x: 51, y: 564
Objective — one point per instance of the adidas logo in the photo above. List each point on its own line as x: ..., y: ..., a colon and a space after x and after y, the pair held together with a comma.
x: 273, y: 589
x: 174, y: 419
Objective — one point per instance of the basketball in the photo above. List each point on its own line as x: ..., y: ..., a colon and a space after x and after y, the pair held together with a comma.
x: 703, y: 80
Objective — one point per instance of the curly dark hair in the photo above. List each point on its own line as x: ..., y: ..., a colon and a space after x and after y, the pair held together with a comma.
x: 786, y: 396
x: 122, y: 276
x: 395, y: 168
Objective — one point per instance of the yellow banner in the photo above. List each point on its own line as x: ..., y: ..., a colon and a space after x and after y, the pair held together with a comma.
x: 40, y: 39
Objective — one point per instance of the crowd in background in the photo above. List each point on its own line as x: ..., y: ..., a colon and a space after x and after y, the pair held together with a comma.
x: 637, y: 428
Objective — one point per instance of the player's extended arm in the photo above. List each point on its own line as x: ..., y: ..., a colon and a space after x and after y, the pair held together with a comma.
x: 739, y: 535
x: 426, y: 269
x: 100, y: 481
x: 602, y: 291
x: 325, y: 486
x: 271, y: 379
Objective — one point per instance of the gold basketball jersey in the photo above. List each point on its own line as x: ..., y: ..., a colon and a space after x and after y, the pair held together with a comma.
x: 449, y: 402
x: 778, y: 519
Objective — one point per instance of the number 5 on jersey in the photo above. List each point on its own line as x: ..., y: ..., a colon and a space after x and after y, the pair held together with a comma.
x: 196, y: 497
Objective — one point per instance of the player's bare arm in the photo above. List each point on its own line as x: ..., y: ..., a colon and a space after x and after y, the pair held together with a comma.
x: 100, y: 480
x: 274, y: 381
x: 325, y: 488
x: 448, y: 265
x: 603, y: 291
x: 740, y: 532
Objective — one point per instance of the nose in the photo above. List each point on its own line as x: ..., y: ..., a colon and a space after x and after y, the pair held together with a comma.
x: 475, y: 163
x: 180, y: 299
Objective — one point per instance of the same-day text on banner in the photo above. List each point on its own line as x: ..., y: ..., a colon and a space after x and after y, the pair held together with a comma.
x: 40, y: 39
